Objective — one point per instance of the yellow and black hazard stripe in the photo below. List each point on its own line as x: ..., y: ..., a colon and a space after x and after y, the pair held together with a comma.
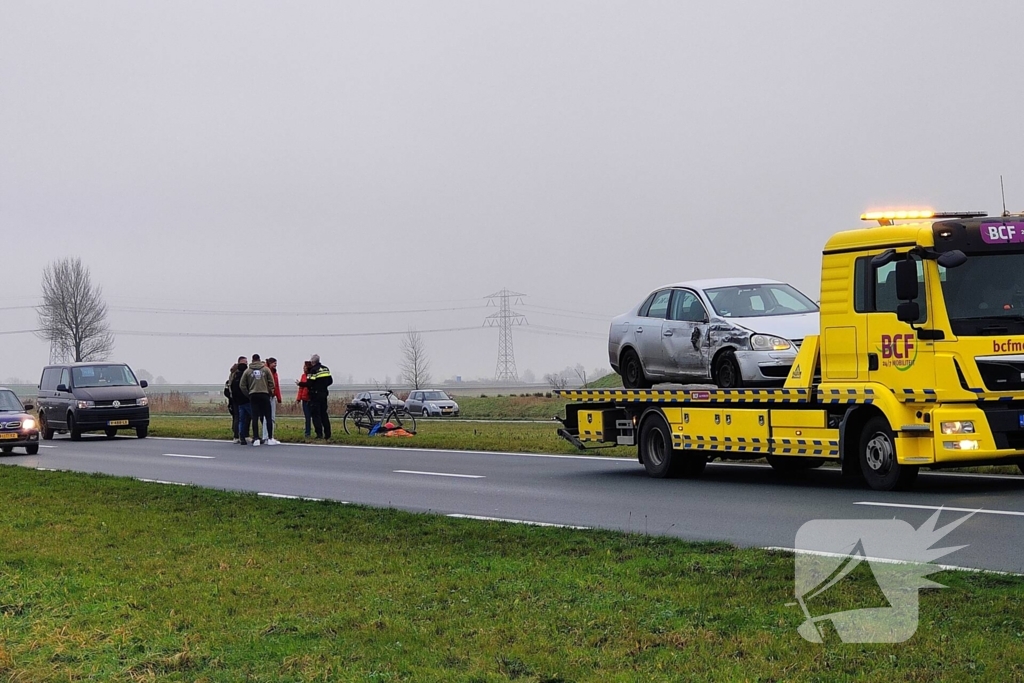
x: 864, y: 395
x: 593, y: 435
x: 738, y: 444
x: 818, y: 447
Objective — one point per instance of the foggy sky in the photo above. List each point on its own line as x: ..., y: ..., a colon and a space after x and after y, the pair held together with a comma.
x: 264, y: 158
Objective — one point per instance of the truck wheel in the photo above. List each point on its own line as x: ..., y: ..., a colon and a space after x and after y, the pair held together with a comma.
x: 727, y: 371
x: 878, y: 460
x: 76, y: 434
x: 660, y: 460
x: 44, y: 429
x: 632, y: 371
x: 786, y: 463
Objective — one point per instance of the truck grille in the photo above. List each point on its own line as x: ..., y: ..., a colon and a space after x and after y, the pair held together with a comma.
x: 1002, y: 375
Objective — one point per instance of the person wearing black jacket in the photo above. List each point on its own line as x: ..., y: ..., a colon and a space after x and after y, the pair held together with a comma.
x: 317, y: 380
x: 241, y: 401
x: 231, y: 401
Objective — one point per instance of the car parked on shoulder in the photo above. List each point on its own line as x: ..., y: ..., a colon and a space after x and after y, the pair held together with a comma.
x: 91, y: 397
x: 18, y: 428
x: 431, y: 403
x: 378, y: 401
x: 732, y: 332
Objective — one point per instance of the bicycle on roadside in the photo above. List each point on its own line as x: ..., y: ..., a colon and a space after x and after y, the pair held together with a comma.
x: 361, y: 418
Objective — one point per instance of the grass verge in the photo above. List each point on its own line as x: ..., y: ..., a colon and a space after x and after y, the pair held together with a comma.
x: 117, y: 580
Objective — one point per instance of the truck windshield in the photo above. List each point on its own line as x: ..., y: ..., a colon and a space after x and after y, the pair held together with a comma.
x: 985, y: 295
x: 102, y: 376
x: 749, y: 301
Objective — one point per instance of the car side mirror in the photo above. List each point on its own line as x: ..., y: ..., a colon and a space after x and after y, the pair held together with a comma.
x: 30, y: 406
x: 906, y: 281
x: 63, y: 388
x: 908, y: 312
x: 143, y: 384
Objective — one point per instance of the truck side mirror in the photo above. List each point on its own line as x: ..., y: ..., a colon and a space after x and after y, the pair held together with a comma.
x: 952, y: 259
x: 906, y: 281
x: 908, y: 312
x: 879, y: 260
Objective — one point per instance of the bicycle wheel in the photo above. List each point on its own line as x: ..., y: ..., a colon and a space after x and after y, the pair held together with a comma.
x: 401, y: 419
x: 357, y: 422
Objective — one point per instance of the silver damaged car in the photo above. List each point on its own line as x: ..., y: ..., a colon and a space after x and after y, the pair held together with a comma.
x: 733, y: 332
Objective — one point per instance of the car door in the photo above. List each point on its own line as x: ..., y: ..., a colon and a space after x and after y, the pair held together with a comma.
x: 414, y: 402
x: 684, y: 336
x: 647, y: 334
x: 64, y: 399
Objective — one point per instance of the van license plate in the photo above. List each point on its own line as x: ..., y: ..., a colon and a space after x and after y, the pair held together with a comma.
x: 117, y: 423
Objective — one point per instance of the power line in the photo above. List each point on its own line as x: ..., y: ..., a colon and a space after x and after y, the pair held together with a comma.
x: 200, y: 311
x: 20, y: 332
x: 306, y: 335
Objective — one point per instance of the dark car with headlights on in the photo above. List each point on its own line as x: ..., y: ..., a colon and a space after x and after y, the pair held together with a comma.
x: 378, y: 401
x: 18, y: 428
x: 92, y: 397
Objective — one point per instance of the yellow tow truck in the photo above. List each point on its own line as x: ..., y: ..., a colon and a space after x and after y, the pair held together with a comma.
x: 919, y: 363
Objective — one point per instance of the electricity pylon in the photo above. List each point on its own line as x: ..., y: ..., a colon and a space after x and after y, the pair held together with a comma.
x: 504, y: 320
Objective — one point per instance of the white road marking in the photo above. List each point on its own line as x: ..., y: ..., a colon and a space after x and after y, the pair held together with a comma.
x: 516, y: 521
x: 160, y: 481
x: 182, y: 455
x: 442, y: 474
x: 1014, y: 513
x: 285, y: 495
x: 886, y: 560
x: 42, y: 445
x: 46, y: 469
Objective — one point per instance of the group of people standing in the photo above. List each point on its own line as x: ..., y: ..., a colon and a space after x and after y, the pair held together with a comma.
x: 253, y: 391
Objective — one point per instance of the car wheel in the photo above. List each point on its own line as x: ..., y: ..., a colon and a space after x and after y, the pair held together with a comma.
x: 76, y: 434
x: 426, y: 413
x: 878, y: 460
x: 110, y: 432
x: 142, y: 432
x: 33, y: 449
x: 44, y: 429
x: 727, y: 371
x: 632, y: 371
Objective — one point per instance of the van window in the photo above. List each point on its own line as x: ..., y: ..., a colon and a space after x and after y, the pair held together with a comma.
x: 65, y: 378
x: 49, y: 379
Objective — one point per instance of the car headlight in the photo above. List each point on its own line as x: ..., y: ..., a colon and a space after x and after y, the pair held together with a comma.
x: 144, y: 401
x: 767, y: 342
x: 86, y: 404
x: 961, y: 427
x: 28, y: 423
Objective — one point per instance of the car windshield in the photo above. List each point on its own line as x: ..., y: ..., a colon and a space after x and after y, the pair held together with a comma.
x: 378, y: 395
x: 750, y: 301
x: 435, y: 396
x: 102, y: 376
x: 9, y: 403
x: 985, y: 295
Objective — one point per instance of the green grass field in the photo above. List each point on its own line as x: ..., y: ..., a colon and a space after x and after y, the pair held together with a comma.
x: 115, y: 580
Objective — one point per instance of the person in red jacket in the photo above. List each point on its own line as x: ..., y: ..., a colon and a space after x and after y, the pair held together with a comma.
x: 303, y: 397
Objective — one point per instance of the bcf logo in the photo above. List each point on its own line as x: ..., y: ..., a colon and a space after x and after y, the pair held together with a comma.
x: 897, y: 346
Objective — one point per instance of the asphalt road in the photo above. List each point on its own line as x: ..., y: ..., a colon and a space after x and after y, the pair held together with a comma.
x: 748, y: 505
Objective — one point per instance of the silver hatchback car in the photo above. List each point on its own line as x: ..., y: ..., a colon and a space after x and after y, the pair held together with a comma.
x: 733, y: 332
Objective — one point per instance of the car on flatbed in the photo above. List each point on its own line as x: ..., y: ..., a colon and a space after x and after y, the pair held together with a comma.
x: 90, y: 397
x: 18, y: 427
x: 733, y: 332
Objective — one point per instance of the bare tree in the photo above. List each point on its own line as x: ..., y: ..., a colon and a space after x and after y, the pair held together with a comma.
x: 73, y: 316
x: 415, y: 365
x: 556, y: 380
x: 581, y: 372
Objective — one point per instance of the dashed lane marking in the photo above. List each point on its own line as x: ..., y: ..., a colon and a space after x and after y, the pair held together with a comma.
x: 183, y: 455
x: 442, y: 474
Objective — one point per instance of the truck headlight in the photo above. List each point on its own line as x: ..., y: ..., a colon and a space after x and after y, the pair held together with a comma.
x: 28, y: 423
x: 767, y: 342
x: 86, y: 404
x: 960, y: 427
x: 962, y: 445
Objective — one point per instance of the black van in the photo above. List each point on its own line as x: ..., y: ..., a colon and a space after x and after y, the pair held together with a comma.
x: 91, y: 397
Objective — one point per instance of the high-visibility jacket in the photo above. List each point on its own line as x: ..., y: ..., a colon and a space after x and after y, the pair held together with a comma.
x: 317, y: 380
